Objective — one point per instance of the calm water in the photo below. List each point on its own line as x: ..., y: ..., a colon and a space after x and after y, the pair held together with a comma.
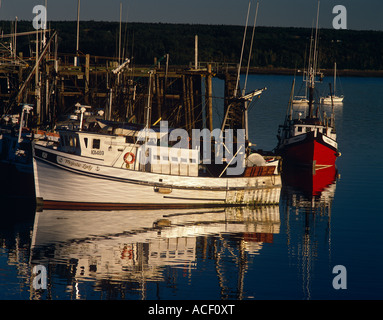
x: 282, y: 252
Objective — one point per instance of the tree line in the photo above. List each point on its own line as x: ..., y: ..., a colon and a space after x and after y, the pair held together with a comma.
x: 274, y: 47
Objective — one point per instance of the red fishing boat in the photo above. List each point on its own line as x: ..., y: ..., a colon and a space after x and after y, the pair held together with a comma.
x: 308, y: 135
x: 308, y: 142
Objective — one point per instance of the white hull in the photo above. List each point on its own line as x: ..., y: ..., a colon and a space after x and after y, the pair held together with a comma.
x: 68, y: 181
x: 301, y: 102
x: 335, y: 100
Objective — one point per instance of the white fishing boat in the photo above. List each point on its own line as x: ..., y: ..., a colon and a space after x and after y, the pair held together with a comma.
x: 116, y: 168
x: 125, y: 166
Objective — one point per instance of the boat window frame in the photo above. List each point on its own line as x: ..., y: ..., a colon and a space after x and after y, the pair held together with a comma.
x: 96, y: 143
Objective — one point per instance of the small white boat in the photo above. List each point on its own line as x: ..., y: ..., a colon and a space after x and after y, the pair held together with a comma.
x: 333, y: 99
x: 300, y: 101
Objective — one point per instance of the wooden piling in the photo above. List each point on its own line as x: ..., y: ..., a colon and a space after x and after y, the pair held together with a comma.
x: 209, y: 98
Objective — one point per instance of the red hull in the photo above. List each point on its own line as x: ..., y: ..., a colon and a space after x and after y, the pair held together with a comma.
x: 311, y: 151
x: 311, y: 183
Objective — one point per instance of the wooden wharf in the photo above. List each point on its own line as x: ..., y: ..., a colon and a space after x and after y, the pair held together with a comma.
x: 180, y: 94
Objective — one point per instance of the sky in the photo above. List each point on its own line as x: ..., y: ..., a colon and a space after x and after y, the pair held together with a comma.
x: 361, y: 14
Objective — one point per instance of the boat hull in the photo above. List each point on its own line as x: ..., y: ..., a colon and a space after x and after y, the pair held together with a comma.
x: 310, y: 183
x: 65, y: 181
x: 312, y: 149
x: 334, y: 100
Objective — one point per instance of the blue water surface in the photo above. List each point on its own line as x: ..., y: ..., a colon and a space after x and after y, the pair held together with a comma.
x: 288, y: 252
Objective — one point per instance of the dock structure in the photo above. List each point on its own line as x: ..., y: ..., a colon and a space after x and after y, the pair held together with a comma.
x: 182, y: 95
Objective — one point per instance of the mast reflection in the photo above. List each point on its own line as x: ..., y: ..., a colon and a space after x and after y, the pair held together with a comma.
x: 307, y: 198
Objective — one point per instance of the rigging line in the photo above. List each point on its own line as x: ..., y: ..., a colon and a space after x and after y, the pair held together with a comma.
x: 198, y: 117
x: 251, y: 48
x: 252, y: 104
x: 125, y: 45
x: 243, y: 44
x: 316, y: 41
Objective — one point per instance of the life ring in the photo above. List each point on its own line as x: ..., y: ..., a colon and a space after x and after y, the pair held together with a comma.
x: 131, y: 155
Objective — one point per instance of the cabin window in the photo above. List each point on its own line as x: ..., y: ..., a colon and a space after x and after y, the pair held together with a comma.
x: 86, y: 142
x: 129, y: 139
x: 299, y: 129
x: 96, y: 144
x: 65, y: 140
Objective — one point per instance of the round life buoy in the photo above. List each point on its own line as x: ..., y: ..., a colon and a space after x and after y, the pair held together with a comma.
x: 132, y: 157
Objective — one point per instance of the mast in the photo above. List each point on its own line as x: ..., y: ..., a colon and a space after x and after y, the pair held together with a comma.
x: 37, y: 80
x: 332, y: 120
x: 235, y: 95
x: 246, y: 116
x: 334, y: 78
x: 119, y: 36
x: 148, y: 107
x: 313, y: 68
x: 78, y: 33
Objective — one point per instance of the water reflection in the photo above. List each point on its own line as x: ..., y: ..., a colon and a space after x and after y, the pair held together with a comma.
x: 222, y: 253
x: 307, y: 202
x: 133, y: 248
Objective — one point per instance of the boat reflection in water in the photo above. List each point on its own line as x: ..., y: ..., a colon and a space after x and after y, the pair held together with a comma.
x: 307, y: 198
x: 119, y: 249
x: 317, y: 183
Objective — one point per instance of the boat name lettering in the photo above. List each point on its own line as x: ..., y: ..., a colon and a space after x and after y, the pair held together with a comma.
x: 98, y: 152
x: 75, y: 164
